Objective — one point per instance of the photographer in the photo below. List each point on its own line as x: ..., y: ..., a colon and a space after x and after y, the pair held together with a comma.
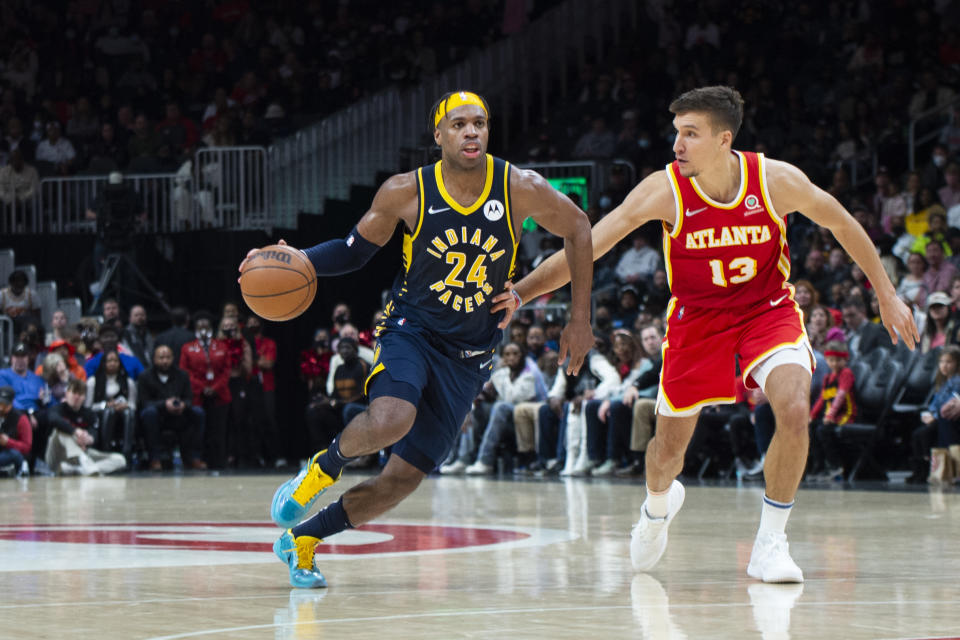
x: 167, y: 403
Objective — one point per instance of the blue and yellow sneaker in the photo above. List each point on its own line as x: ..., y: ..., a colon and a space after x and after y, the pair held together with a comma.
x: 298, y: 554
x: 295, y: 496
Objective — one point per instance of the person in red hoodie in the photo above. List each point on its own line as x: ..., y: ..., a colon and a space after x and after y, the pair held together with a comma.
x: 16, y: 434
x: 207, y: 361
x: 837, y: 405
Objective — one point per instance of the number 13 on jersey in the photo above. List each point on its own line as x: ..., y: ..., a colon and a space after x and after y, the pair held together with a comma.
x: 740, y: 269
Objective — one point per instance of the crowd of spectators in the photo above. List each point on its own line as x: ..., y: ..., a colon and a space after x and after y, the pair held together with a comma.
x: 101, y: 85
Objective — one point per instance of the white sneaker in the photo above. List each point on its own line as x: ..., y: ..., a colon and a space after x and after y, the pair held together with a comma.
x: 605, y: 469
x: 478, y: 468
x: 771, y: 561
x: 68, y: 469
x: 651, y: 609
x: 454, y: 468
x: 771, y: 607
x: 649, y: 536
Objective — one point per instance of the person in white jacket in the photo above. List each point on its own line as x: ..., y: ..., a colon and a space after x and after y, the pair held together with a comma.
x: 514, y: 382
x: 607, y: 382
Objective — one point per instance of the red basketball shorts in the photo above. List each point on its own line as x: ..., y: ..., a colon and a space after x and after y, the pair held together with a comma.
x: 701, y: 346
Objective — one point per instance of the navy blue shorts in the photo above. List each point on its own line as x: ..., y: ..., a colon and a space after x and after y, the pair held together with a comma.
x: 433, y: 377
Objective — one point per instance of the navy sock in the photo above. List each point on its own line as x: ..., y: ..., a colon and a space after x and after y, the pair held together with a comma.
x: 332, y: 461
x: 328, y: 521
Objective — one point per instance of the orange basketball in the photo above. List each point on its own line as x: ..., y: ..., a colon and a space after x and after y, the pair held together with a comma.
x: 278, y: 282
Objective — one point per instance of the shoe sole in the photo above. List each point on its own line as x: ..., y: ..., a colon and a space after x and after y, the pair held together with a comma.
x: 663, y: 545
x: 786, y: 579
x: 284, y: 510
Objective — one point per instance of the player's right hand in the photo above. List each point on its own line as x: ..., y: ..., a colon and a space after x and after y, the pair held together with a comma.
x: 252, y: 253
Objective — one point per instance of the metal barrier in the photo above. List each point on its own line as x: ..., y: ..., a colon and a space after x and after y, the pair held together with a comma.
x: 351, y: 146
x: 20, y: 216
x: 941, y: 115
x: 231, y: 188
x: 6, y: 339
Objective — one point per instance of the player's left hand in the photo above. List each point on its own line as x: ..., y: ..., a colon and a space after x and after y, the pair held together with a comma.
x: 576, y: 341
x: 506, y: 302
x: 898, y: 319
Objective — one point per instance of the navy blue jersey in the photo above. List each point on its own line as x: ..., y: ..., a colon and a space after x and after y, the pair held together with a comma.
x: 456, y: 259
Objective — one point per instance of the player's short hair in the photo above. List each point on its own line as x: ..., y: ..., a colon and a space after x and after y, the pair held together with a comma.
x: 724, y: 106
x: 444, y: 100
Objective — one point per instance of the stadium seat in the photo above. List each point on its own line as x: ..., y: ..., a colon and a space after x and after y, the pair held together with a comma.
x: 47, y: 293
x: 917, y: 387
x: 72, y: 307
x: 874, y: 393
x: 6, y: 265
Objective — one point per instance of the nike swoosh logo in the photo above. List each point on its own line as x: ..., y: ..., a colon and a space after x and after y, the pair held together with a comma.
x: 774, y: 303
x: 695, y: 211
x: 432, y: 211
x: 487, y: 363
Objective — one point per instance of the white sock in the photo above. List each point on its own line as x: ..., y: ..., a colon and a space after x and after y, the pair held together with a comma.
x: 773, y: 517
x: 657, y: 503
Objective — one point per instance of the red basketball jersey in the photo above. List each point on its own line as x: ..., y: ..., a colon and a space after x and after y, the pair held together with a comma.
x: 720, y: 255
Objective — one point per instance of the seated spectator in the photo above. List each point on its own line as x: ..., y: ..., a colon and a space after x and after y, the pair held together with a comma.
x: 530, y: 458
x: 109, y: 339
x: 862, y: 336
x: 15, y: 140
x: 629, y: 309
x: 19, y: 302
x: 136, y: 337
x: 597, y: 143
x: 70, y: 448
x: 107, y: 153
x: 835, y: 406
x: 112, y: 396
x: 938, y: 325
x: 16, y: 435
x: 639, y: 262
x: 177, y: 132
x: 347, y: 330
x: 56, y: 375
x: 166, y: 403
x: 315, y: 364
x: 83, y: 125
x: 512, y: 383
x: 940, y: 429
x: 55, y: 154
x: 949, y: 194
x: 806, y: 297
x: 144, y: 145
x: 19, y: 181
x: 327, y: 414
x: 658, y: 294
x: 925, y: 205
x: 58, y: 324
x: 912, y: 289
x: 178, y: 334
x: 111, y: 315
x: 939, y: 272
x: 207, y: 361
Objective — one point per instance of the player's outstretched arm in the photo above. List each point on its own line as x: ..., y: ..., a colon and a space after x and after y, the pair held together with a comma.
x: 533, y: 196
x: 652, y: 199
x: 395, y: 200
x: 792, y: 190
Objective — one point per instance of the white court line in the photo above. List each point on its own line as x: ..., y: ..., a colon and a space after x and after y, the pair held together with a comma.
x: 478, y: 612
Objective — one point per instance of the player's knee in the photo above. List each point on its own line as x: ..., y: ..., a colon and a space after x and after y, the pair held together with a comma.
x: 793, y: 417
x: 397, y: 486
x: 391, y: 417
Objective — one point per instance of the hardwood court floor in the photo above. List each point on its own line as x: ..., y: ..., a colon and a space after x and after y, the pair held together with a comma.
x: 189, y: 557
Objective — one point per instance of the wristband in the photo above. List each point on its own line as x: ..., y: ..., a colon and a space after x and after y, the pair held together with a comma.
x: 516, y: 296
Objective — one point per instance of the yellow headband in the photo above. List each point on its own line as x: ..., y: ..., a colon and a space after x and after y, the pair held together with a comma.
x: 455, y: 100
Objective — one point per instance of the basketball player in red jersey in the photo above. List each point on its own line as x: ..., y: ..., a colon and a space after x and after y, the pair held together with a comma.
x: 728, y: 263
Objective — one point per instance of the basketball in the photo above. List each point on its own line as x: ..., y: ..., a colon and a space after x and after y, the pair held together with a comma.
x: 278, y: 282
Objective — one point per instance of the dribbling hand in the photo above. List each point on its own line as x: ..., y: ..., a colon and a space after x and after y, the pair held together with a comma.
x: 252, y: 253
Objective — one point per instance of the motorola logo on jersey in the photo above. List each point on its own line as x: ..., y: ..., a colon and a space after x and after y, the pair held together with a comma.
x: 493, y: 210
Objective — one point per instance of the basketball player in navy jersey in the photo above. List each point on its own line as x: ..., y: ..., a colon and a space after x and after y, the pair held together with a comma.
x: 461, y: 220
x: 723, y: 214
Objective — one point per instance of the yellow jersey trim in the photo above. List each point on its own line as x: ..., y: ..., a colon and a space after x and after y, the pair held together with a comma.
x: 782, y: 264
x: 366, y: 383
x: 416, y: 231
x: 509, y: 214
x: 456, y: 206
x: 736, y: 201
